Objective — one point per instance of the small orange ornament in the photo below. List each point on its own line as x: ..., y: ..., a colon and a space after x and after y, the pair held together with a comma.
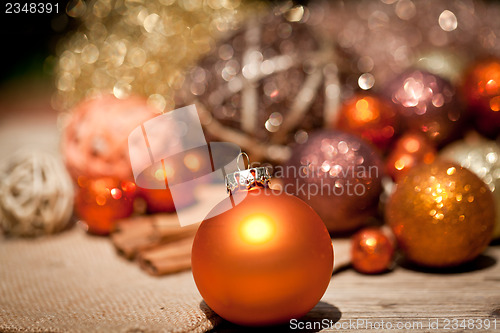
x: 441, y: 214
x: 371, y: 117
x: 410, y: 150
x: 371, y: 251
x: 482, y: 91
x: 161, y: 201
x: 265, y: 261
x: 102, y: 201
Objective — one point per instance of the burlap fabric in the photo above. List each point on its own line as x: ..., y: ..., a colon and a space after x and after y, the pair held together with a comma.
x: 77, y: 283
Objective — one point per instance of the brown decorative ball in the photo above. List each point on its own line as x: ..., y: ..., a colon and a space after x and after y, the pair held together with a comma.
x: 267, y: 85
x: 371, y: 117
x: 339, y: 175
x: 428, y: 104
x: 442, y: 215
x: 95, y: 142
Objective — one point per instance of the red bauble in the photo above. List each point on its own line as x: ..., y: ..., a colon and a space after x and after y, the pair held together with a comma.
x: 102, y: 201
x: 265, y: 261
x: 161, y: 201
x: 371, y: 251
x: 410, y: 150
x: 339, y: 175
x: 482, y: 91
x: 371, y: 117
x: 427, y: 103
x: 95, y: 141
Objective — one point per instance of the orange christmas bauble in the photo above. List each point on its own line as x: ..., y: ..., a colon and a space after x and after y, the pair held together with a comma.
x: 410, y: 150
x: 371, y: 251
x: 482, y: 92
x: 265, y: 261
x: 371, y: 117
x: 102, y: 201
x: 441, y: 214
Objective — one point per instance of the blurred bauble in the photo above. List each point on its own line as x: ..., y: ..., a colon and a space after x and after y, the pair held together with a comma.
x: 371, y: 251
x: 441, y: 214
x: 483, y: 158
x: 371, y: 117
x: 339, y: 175
x: 263, y: 262
x: 101, y: 202
x: 36, y: 194
x: 266, y: 86
x: 428, y: 104
x: 161, y: 201
x: 482, y: 91
x: 410, y: 150
x: 142, y: 48
x: 95, y: 141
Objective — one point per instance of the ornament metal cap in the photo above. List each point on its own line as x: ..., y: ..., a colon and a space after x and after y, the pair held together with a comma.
x: 248, y: 178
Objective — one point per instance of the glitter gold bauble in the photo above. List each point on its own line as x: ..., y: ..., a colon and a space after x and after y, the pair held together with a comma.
x: 139, y: 47
x: 483, y: 158
x: 371, y: 117
x: 267, y: 85
x: 265, y: 261
x: 95, y: 140
x: 339, y: 175
x: 410, y: 150
x: 441, y: 214
x: 428, y: 104
x: 482, y: 91
x: 371, y: 251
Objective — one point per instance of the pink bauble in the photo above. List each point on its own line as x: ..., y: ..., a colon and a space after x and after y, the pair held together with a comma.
x: 339, y: 175
x: 95, y: 141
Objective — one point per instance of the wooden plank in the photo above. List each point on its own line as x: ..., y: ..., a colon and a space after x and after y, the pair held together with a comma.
x: 407, y: 295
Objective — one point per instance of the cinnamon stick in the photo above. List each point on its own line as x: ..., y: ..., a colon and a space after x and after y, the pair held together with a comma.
x: 134, y: 235
x: 167, y: 258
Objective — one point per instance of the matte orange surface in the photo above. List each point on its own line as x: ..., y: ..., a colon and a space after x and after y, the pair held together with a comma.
x: 265, y: 261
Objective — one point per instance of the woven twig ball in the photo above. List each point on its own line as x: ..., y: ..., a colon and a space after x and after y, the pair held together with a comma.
x: 36, y: 194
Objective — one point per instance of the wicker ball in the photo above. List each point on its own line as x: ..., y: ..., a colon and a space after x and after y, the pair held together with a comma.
x: 36, y: 194
x: 267, y: 86
x: 95, y: 142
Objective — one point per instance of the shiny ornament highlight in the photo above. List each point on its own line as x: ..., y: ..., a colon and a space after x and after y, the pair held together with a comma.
x: 265, y: 261
x: 371, y: 117
x: 428, y: 104
x: 410, y: 150
x: 483, y: 158
x: 441, y: 214
x: 482, y: 91
x: 339, y: 175
x: 371, y: 251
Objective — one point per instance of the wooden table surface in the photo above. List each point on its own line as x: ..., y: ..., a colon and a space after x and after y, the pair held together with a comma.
x: 424, y: 300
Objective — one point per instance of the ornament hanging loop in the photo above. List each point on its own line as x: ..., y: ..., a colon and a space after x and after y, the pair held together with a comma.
x: 247, y: 179
x: 241, y: 155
